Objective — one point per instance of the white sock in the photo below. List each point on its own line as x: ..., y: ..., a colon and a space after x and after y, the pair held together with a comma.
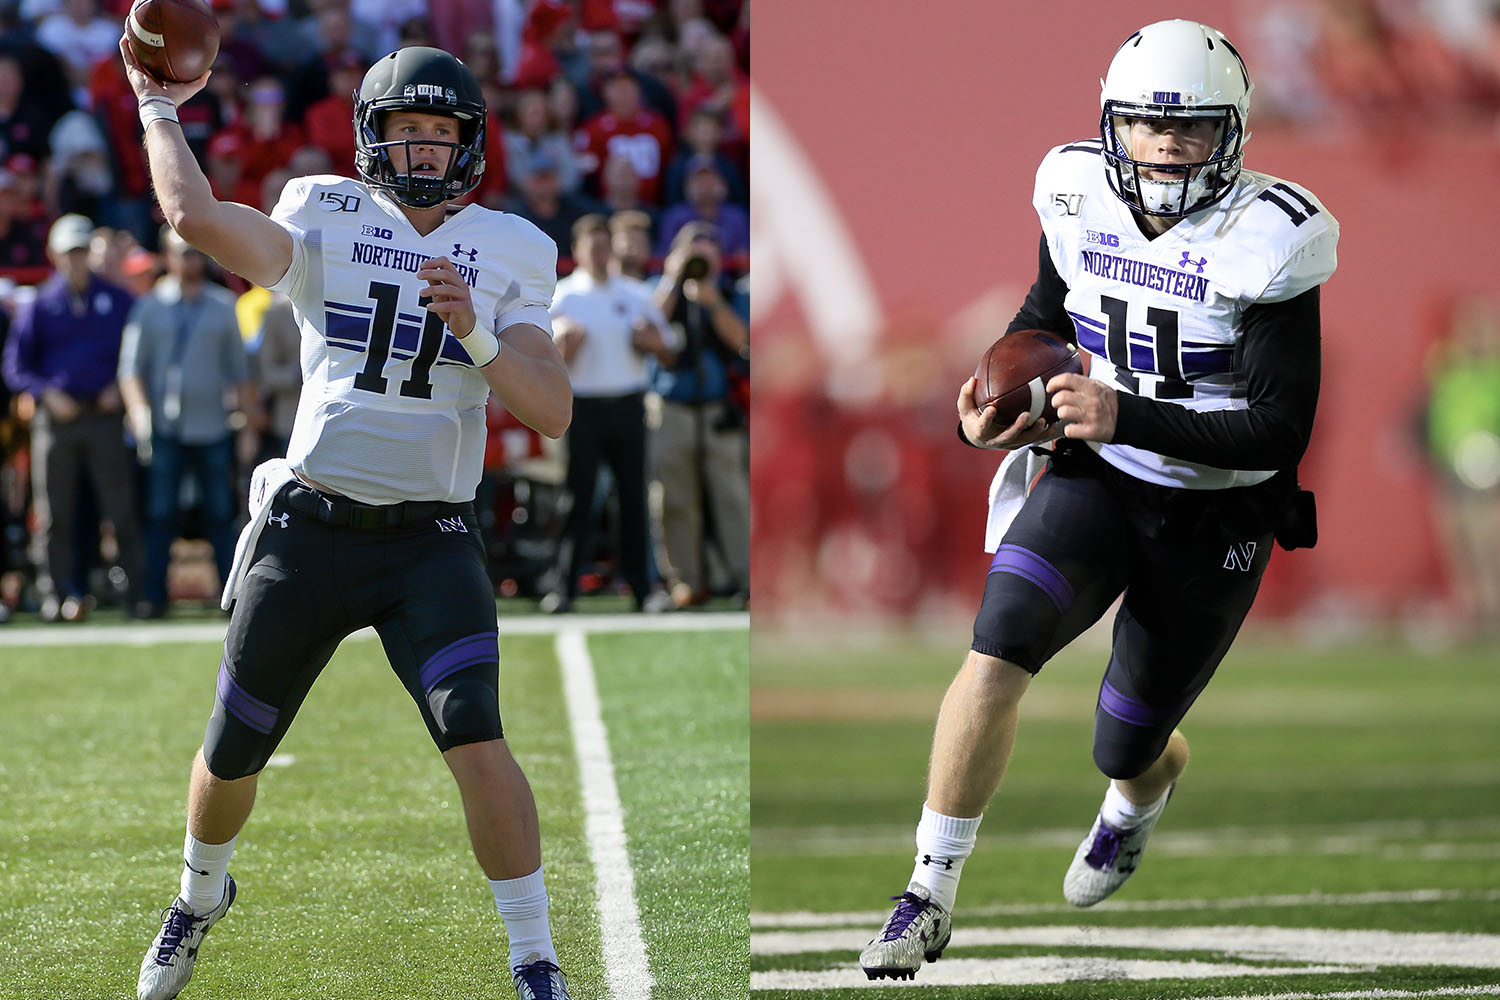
x: 1122, y: 814
x: 943, y: 842
x: 203, y: 868
x: 522, y: 903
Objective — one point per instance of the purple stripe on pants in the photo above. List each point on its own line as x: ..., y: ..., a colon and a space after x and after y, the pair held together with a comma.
x: 483, y: 647
x: 243, y: 705
x: 1032, y: 567
x: 1128, y: 709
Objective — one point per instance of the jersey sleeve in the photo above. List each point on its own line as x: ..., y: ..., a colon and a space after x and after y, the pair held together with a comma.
x: 1044, y: 308
x: 291, y: 214
x: 1291, y: 217
x: 528, y: 299
x: 1308, y: 266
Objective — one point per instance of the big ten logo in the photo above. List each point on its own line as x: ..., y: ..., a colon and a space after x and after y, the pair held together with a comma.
x: 379, y: 232
x: 1103, y: 239
x: 643, y: 152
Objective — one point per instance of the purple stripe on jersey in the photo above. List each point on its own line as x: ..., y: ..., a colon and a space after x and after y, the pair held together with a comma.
x: 406, y: 337
x: 347, y: 307
x: 1033, y: 568
x: 1142, y: 357
x: 1079, y: 319
x: 1207, y: 361
x: 1090, y: 338
x: 1127, y: 709
x: 347, y: 329
x: 483, y: 647
x: 242, y: 704
x: 454, y: 351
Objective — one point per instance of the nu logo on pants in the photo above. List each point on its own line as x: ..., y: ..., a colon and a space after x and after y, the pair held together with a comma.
x: 1241, y: 555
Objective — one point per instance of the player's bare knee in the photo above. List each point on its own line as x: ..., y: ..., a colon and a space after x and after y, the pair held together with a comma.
x: 995, y: 679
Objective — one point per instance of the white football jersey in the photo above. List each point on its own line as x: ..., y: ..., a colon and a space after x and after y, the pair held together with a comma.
x: 1161, y: 318
x: 392, y: 407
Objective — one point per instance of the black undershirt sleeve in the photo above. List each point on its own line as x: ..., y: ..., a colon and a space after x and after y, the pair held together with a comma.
x: 1043, y: 308
x: 1280, y: 356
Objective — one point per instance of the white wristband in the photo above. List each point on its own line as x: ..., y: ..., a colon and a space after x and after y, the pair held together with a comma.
x: 481, y: 345
x: 156, y: 108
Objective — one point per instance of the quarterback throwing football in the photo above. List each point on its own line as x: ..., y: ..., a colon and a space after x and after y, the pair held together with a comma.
x: 412, y: 311
x: 1191, y: 285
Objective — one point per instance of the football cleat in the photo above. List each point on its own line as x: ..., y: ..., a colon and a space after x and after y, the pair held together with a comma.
x: 538, y: 979
x: 917, y: 929
x: 168, y: 964
x: 1107, y: 857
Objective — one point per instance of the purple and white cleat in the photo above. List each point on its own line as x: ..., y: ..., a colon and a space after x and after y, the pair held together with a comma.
x: 917, y: 929
x: 168, y: 964
x: 1107, y: 857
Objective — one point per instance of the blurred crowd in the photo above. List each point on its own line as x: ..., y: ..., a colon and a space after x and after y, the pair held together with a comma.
x: 1364, y: 64
x: 141, y: 383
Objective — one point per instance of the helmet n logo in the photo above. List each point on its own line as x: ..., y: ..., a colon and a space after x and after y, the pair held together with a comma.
x: 1187, y: 258
x: 1166, y: 97
x: 430, y: 90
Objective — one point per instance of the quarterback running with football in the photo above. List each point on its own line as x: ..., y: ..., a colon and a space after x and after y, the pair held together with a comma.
x: 412, y: 311
x: 1191, y: 286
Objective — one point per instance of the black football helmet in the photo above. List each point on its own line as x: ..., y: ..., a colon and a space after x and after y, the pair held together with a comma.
x: 433, y: 82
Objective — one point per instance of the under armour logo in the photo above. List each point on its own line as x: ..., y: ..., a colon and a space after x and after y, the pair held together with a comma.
x: 469, y: 255
x: 1241, y: 555
x: 928, y: 859
x: 281, y: 521
x: 1187, y: 258
x: 452, y: 524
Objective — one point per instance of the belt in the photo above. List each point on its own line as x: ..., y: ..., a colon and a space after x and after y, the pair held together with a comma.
x: 342, y: 511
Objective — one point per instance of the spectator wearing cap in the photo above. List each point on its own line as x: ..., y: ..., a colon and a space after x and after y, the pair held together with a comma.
x: 225, y: 168
x: 328, y: 120
x: 703, y: 136
x: 546, y: 43
x: 630, y: 242
x: 78, y: 174
x: 82, y: 39
x: 268, y: 139
x: 701, y: 447
x: 181, y: 361
x: 542, y: 202
x: 605, y: 324
x: 628, y: 128
x: 63, y: 352
x: 605, y: 52
x: 719, y: 86
x: 705, y: 200
x: 536, y: 134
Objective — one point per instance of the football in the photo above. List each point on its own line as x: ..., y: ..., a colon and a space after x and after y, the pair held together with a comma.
x: 1013, y: 373
x: 174, y: 40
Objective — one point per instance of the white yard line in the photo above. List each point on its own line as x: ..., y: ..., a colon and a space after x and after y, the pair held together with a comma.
x: 625, y: 965
x: 144, y: 634
x: 1310, y: 945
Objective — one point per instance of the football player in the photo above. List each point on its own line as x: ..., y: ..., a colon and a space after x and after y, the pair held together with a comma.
x: 412, y: 310
x: 1191, y: 286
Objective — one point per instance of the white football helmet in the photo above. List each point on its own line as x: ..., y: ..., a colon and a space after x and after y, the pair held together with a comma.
x: 1182, y: 70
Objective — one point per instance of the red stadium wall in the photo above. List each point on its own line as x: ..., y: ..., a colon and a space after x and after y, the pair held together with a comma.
x: 923, y: 137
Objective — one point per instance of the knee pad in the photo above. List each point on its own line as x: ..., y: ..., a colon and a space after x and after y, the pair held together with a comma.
x: 1124, y: 751
x: 465, y: 707
x: 232, y: 749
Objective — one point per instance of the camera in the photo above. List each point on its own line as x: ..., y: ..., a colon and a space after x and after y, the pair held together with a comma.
x: 695, y: 268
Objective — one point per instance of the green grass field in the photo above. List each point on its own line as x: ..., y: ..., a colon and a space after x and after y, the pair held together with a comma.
x: 356, y: 879
x: 1337, y: 832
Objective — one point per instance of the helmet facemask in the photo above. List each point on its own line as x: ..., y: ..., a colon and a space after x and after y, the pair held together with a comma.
x: 418, y: 190
x: 1202, y: 182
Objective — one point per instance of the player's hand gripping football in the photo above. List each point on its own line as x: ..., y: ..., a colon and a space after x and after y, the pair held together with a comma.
x: 983, y: 429
x: 145, y: 85
x: 448, y: 295
x: 1086, y: 408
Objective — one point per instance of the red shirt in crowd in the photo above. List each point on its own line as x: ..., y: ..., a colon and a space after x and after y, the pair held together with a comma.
x: 644, y: 139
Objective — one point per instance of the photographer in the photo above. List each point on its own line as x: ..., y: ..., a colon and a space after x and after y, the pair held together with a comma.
x: 701, y: 445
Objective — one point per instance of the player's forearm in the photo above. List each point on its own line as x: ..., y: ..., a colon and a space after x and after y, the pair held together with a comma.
x: 186, y: 199
x: 531, y: 379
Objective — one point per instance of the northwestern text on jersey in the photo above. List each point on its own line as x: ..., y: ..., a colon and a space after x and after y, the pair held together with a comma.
x: 404, y: 260
x: 1152, y: 276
